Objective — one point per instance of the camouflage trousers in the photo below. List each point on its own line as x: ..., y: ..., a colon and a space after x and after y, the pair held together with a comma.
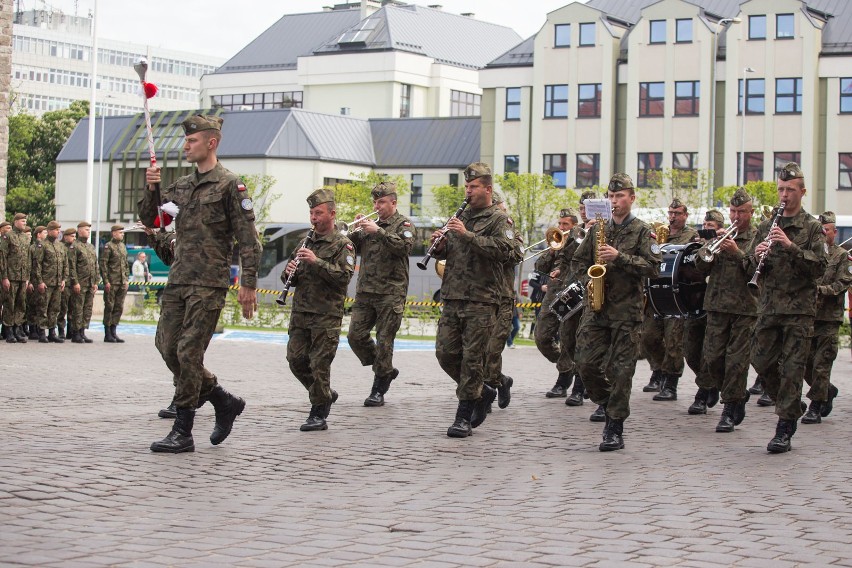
x: 461, y: 345
x: 64, y: 306
x: 15, y: 307
x: 188, y: 319
x: 780, y: 347
x: 384, y: 312
x: 824, y: 347
x: 83, y: 317
x: 548, y: 328
x: 311, y: 348
x: 662, y: 342
x: 694, y: 332
x: 497, y: 342
x: 727, y: 352
x: 50, y: 301
x: 606, y: 359
x: 114, y: 304
x: 33, y: 307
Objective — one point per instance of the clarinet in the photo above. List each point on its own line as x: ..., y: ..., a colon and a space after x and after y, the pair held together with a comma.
x: 425, y: 262
x: 778, y: 211
x: 282, y: 299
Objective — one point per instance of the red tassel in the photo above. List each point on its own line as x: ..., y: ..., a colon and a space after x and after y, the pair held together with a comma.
x: 150, y: 90
x: 167, y: 219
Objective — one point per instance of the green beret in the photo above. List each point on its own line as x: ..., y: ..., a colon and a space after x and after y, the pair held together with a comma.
x: 71, y: 231
x: 19, y: 216
x: 791, y: 171
x: 619, y: 182
x: 828, y: 217
x: 82, y: 224
x: 201, y: 122
x: 40, y: 228
x: 323, y: 195
x: 588, y: 195
x: 116, y: 228
x: 5, y: 224
x: 676, y: 204
x: 740, y: 197
x: 566, y: 212
x: 28, y: 229
x: 384, y: 189
x: 53, y: 225
x: 714, y: 215
x: 476, y: 170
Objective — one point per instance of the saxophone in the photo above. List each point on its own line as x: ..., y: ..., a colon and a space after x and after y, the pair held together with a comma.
x: 596, y: 272
x: 662, y: 232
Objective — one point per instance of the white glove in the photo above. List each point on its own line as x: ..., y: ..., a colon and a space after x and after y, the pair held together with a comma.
x: 171, y: 208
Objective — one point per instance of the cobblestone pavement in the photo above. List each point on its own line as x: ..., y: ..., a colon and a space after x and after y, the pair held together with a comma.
x: 386, y: 486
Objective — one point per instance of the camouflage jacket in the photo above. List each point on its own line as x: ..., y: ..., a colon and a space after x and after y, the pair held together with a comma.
x: 50, y: 263
x: 685, y: 236
x: 321, y: 287
x: 506, y: 286
x: 727, y: 288
x: 384, y: 256
x: 163, y: 244
x: 832, y: 287
x: 114, y: 270
x: 214, y: 210
x: 789, y: 276
x: 86, y: 264
x: 17, y: 260
x: 71, y: 260
x: 475, y: 261
x: 624, y: 281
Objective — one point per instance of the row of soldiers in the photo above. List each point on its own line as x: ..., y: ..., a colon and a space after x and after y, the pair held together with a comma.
x: 49, y: 280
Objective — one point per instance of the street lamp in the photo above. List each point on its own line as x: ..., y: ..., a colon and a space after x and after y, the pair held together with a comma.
x: 712, y: 163
x: 746, y: 71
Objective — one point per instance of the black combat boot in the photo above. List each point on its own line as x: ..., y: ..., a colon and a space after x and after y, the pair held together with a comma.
x: 108, y: 338
x: 385, y: 382
x: 712, y: 397
x: 326, y: 408
x: 60, y: 331
x: 504, y: 391
x: 180, y: 438
x: 42, y: 338
x: 33, y: 334
x: 227, y: 407
x: 83, y: 335
x: 51, y: 336
x: 376, y: 398
x: 612, y: 435
x: 668, y: 388
x: 726, y: 421
x: 765, y: 400
x: 481, y: 405
x: 315, y: 420
x: 740, y: 409
x: 115, y: 335
x: 560, y: 389
x: 9, y: 334
x: 757, y: 387
x: 826, y: 407
x: 700, y: 404
x: 576, y: 396
x: 654, y: 383
x: 19, y: 334
x: 814, y: 413
x: 77, y: 336
x: 599, y: 415
x: 784, y: 431
x: 169, y: 412
x: 461, y: 426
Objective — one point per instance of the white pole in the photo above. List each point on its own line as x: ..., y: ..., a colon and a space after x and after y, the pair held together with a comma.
x: 96, y: 241
x: 93, y: 111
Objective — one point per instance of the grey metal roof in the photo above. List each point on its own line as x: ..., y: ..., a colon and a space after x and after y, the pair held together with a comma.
x: 426, y: 142
x: 326, y: 137
x: 519, y: 56
x: 837, y: 37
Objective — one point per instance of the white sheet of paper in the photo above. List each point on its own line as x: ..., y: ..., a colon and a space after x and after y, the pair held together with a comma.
x: 595, y: 207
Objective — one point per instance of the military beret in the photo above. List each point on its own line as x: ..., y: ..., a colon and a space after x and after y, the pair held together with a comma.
x: 828, y: 217
x: 791, y: 171
x: 201, y: 122
x: 566, y: 212
x: 384, y: 189
x: 19, y: 216
x: 53, y: 225
x: 323, y: 195
x: 676, y: 204
x: 5, y: 224
x: 619, y: 182
x: 740, y: 197
x: 82, y: 224
x: 117, y: 228
x: 476, y: 170
x: 40, y: 228
x: 588, y: 195
x: 28, y: 229
x: 70, y: 231
x: 714, y: 215
x: 497, y: 197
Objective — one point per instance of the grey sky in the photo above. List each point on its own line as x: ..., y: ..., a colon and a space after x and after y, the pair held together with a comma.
x: 223, y: 27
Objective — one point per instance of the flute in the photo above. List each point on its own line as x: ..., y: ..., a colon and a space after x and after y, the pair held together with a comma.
x: 282, y: 299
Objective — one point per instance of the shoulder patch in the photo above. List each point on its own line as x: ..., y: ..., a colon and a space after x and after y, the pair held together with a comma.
x: 407, y: 234
x: 349, y: 246
x: 509, y: 220
x: 510, y: 234
x: 247, y: 204
x: 241, y: 186
x: 655, y: 248
x: 350, y: 260
x: 406, y: 224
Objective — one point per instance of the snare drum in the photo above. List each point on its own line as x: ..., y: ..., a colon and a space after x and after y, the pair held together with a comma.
x: 568, y: 301
x: 679, y: 290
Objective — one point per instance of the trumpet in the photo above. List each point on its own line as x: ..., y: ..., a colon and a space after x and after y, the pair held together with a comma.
x: 554, y: 238
x: 581, y: 235
x: 709, y: 251
x: 777, y: 215
x: 425, y: 262
x: 282, y: 299
x: 346, y: 228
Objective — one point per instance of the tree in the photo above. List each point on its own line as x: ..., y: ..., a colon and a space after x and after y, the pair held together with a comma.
x: 36, y: 200
x: 258, y: 187
x: 447, y: 200
x: 354, y: 198
x: 533, y: 200
x: 762, y: 193
x: 690, y: 186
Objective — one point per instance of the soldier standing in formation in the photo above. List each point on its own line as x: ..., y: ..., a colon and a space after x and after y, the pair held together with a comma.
x: 831, y: 289
x: 608, y: 340
x: 115, y: 274
x: 322, y: 271
x: 83, y: 294
x: 384, y: 246
x: 17, y: 265
x: 50, y: 272
x: 34, y: 298
x: 214, y: 210
x: 5, y: 227
x: 794, y: 259
x: 69, y: 236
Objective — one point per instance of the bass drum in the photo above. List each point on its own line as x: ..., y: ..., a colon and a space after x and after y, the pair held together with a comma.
x: 568, y: 302
x: 679, y: 290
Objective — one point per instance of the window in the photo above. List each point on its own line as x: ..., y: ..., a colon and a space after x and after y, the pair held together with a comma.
x: 588, y: 170
x: 250, y: 101
x: 783, y: 158
x: 785, y: 26
x: 589, y: 100
x: 844, y: 175
x: 755, y: 96
x: 513, y: 103
x: 562, y: 35
x: 649, y: 169
x: 416, y: 193
x: 511, y: 164
x: 464, y: 104
x: 658, y: 31
x: 846, y: 94
x: 683, y: 31
x: 757, y: 27
x: 454, y: 180
x: 684, y: 161
x: 753, y: 166
x: 788, y: 96
x: 687, y: 98
x: 587, y: 34
x: 405, y: 101
x: 651, y: 99
x: 555, y: 101
x: 554, y: 166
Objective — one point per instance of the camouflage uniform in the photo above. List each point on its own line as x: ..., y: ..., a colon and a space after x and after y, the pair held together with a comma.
x: 34, y: 299
x: 66, y: 302
x: 114, y: 271
x: 87, y: 276
x: 50, y: 266
x: 18, y: 265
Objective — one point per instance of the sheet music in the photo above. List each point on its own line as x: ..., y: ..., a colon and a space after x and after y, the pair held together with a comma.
x: 596, y: 207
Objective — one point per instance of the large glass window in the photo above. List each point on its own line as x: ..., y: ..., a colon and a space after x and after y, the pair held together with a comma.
x: 686, y: 161
x: 587, y: 34
x: 658, y: 31
x: 416, y: 194
x: 757, y: 27
x: 252, y: 101
x: 683, y: 31
x: 687, y: 97
x: 589, y: 100
x: 785, y: 26
x: 555, y: 101
x: 464, y: 104
x: 650, y: 165
x: 788, y: 96
x: 651, y: 99
x: 783, y: 158
x: 513, y: 103
x: 753, y: 167
x: 755, y: 96
x: 846, y: 94
x: 844, y: 175
x: 554, y: 166
x: 405, y: 101
x: 511, y: 164
x: 588, y: 170
x: 562, y: 35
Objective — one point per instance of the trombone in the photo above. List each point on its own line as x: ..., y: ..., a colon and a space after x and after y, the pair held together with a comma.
x: 554, y: 238
x: 344, y: 228
x: 708, y: 252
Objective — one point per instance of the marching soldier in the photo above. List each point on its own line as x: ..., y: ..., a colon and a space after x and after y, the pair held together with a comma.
x: 69, y: 236
x: 50, y: 272
x: 83, y: 298
x: 791, y: 257
x: 115, y: 274
x: 17, y: 262
x: 608, y: 339
x: 384, y: 246
x: 831, y: 289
